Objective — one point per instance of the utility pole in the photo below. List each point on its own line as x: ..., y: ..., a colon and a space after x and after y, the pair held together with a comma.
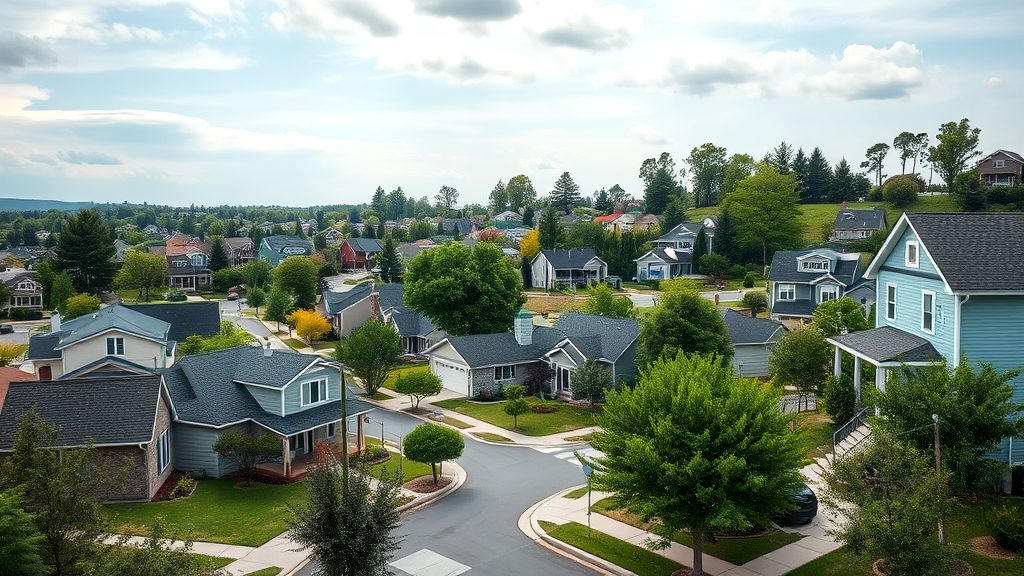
x: 938, y: 470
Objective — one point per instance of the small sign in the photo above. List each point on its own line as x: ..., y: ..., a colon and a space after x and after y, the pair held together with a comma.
x: 587, y: 470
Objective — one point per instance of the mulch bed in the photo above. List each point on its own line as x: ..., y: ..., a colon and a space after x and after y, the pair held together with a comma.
x: 988, y: 547
x: 417, y: 411
x: 425, y: 484
x: 164, y: 493
x: 959, y: 568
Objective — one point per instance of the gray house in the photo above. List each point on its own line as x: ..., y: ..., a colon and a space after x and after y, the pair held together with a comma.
x: 753, y: 340
x: 853, y: 224
x: 417, y: 331
x: 799, y: 280
x: 671, y: 255
x: 572, y: 266
x: 347, y: 309
x: 471, y: 364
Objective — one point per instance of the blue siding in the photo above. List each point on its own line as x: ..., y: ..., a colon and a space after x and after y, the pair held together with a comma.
x: 991, y: 330
x: 625, y: 367
x: 193, y: 448
x: 268, y: 399
x: 293, y: 392
x: 750, y: 361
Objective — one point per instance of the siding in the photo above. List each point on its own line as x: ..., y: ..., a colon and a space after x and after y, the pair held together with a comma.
x: 991, y: 330
x: 138, y: 350
x: 293, y: 392
x: 268, y: 399
x: 192, y: 448
x: 625, y: 366
x: 540, y: 272
x: 750, y: 360
x: 484, y: 378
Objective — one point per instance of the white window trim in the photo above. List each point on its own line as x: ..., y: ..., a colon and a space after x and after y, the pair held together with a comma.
x: 895, y: 300
x: 917, y: 254
x: 783, y: 288
x: 163, y: 451
x: 115, y: 339
x: 932, y: 294
x: 999, y: 163
x: 830, y: 290
x: 501, y: 370
x: 304, y: 387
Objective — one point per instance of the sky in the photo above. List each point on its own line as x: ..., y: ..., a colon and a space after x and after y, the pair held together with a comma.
x: 308, y: 102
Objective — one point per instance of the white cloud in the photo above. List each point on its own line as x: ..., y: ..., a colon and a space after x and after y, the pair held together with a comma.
x: 470, y: 10
x: 647, y: 134
x: 995, y: 82
x: 102, y: 32
x: 868, y: 73
x: 584, y: 25
x: 20, y: 51
x: 532, y: 164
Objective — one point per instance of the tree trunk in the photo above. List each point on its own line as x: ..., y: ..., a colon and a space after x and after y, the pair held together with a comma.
x: 433, y: 470
x: 698, y: 553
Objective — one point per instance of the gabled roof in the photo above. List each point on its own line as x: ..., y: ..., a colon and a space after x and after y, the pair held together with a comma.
x: 205, y: 389
x: 280, y: 242
x: 10, y: 374
x: 560, y: 258
x: 237, y: 242
x: 120, y: 367
x: 408, y: 321
x: 784, y: 266
x: 509, y: 215
x: 668, y: 255
x: 369, y: 245
x: 111, y: 411
x: 335, y: 302
x: 682, y: 231
x: 607, y: 218
x: 887, y: 344
x: 186, y: 318
x: 1013, y: 155
x: 868, y: 219
x: 975, y: 252
x: 462, y: 226
x: 747, y: 330
x: 118, y: 317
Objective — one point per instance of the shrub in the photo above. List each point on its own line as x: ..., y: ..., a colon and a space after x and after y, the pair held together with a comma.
x: 184, y: 487
x: 875, y: 194
x: 418, y: 385
x: 25, y: 314
x: 1007, y: 525
x: 756, y: 301
x: 736, y: 271
x: 901, y: 191
x: 840, y: 399
x: 227, y: 278
x: 750, y: 278
x: 515, y: 408
x: 375, y: 454
x: 515, y: 391
x: 654, y: 284
x: 433, y: 444
x: 537, y: 378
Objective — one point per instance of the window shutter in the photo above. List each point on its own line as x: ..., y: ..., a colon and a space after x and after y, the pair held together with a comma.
x: 305, y: 394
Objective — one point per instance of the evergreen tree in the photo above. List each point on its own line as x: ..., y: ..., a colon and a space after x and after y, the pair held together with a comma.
x: 499, y: 198
x: 379, y: 203
x: 218, y: 255
x: 603, y: 202
x: 844, y: 185
x: 368, y: 231
x: 566, y: 194
x: 818, y: 183
x: 354, y: 217
x: 85, y: 250
x: 381, y: 230
x: 700, y: 248
x: 674, y: 214
x: 528, y: 216
x: 627, y: 252
x: 725, y: 241
x: 256, y: 234
x: 659, y: 192
x: 969, y: 192
x: 780, y: 158
x: 550, y: 228
x: 390, y: 262
x: 800, y: 165
x: 297, y: 230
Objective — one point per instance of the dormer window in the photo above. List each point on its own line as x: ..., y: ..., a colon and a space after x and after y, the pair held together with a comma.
x: 197, y: 259
x: 814, y: 265
x: 911, y: 256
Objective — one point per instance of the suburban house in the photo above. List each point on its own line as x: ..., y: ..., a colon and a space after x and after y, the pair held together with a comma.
x: 851, y: 224
x: 509, y: 216
x: 359, y: 253
x: 950, y: 290
x: 347, y: 309
x: 799, y: 280
x: 26, y: 291
x: 416, y: 330
x: 120, y: 247
x: 607, y: 219
x: 458, y: 226
x: 671, y: 255
x: 1001, y: 168
x: 477, y: 363
x: 332, y: 236
x: 124, y: 418
x: 753, y: 340
x: 119, y: 339
x: 239, y: 250
x: 274, y: 249
x: 251, y: 390
x: 570, y: 266
x: 188, y: 262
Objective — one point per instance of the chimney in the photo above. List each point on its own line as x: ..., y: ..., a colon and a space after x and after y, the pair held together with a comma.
x: 523, y: 327
x: 267, y: 351
x: 374, y: 304
x: 55, y: 322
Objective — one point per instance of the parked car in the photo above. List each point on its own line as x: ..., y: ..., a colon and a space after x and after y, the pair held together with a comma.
x: 232, y: 295
x: 176, y: 296
x: 806, y: 507
x: 6, y: 329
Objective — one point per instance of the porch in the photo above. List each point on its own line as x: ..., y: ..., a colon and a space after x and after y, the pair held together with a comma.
x: 884, y: 348
x: 304, y: 449
x: 576, y: 276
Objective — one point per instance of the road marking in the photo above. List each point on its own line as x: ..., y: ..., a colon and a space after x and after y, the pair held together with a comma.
x: 429, y: 563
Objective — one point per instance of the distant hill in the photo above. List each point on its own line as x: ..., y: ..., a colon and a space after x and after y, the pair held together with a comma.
x: 26, y: 204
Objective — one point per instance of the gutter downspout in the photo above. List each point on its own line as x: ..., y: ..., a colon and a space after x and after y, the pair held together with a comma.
x: 956, y: 329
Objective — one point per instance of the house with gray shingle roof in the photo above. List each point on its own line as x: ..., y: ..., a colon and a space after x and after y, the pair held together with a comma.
x: 477, y: 363
x: 753, y: 340
x: 416, y: 330
x: 854, y: 224
x: 799, y: 280
x: 567, y: 266
x: 359, y: 253
x: 671, y: 254
x: 347, y: 309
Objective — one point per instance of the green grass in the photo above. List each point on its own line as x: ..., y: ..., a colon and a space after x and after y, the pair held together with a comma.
x: 567, y: 417
x: 378, y: 395
x: 410, y: 469
x: 215, y: 562
x: 133, y: 295
x: 638, y: 560
x: 582, y: 438
x: 214, y: 295
x: 815, y: 432
x: 405, y: 369
x: 636, y: 285
x: 577, y: 493
x: 216, y: 512
x: 295, y: 343
x: 490, y: 437
x: 967, y: 522
x: 736, y: 550
x: 272, y: 571
x: 456, y: 423
x: 324, y: 345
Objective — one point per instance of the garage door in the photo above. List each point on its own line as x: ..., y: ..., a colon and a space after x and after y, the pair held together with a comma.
x: 453, y: 377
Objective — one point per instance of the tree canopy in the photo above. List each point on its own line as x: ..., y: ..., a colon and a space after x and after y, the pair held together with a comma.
x: 141, y: 271
x: 371, y: 351
x: 418, y: 385
x: 603, y: 301
x: 566, y: 194
x: 433, y: 444
x: 707, y: 170
x: 958, y: 144
x: 85, y: 250
x: 764, y: 208
x: 228, y: 336
x: 683, y: 322
x: 297, y: 275
x: 520, y: 192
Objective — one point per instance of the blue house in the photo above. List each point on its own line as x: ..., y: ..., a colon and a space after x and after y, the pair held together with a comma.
x: 799, y: 280
x: 950, y: 287
x: 274, y: 249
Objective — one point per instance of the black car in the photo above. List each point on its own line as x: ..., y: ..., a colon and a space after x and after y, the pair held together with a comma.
x: 6, y: 329
x: 806, y: 508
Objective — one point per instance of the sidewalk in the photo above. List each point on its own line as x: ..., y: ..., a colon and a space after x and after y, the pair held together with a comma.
x: 560, y: 510
x: 400, y: 403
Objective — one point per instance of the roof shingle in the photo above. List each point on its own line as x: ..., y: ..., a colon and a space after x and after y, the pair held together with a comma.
x: 975, y: 251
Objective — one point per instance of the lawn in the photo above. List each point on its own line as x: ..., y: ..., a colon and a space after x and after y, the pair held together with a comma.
x: 553, y: 304
x: 295, y: 343
x: 968, y: 522
x: 456, y: 423
x: 638, y: 560
x: 815, y: 432
x: 216, y: 512
x: 577, y: 493
x: 491, y: 437
x: 272, y: 571
x: 133, y: 295
x: 567, y: 417
x: 736, y: 550
x: 379, y: 395
x: 405, y: 369
x: 409, y: 468
x: 214, y: 295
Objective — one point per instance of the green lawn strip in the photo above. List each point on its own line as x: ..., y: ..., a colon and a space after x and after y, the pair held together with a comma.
x: 582, y: 438
x: 295, y: 343
x: 324, y: 345
x: 404, y: 369
x: 577, y: 493
x: 639, y: 560
x: 216, y: 512
x: 815, y: 432
x: 565, y: 418
x: 736, y: 550
x: 134, y: 295
x: 456, y: 423
x: 215, y: 562
x: 490, y: 437
x: 215, y: 295
x: 378, y: 395
x: 271, y: 571
x: 409, y: 468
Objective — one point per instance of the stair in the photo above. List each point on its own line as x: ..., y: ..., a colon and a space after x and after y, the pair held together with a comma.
x: 853, y: 441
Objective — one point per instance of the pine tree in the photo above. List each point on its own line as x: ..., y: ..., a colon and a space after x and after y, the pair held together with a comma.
x: 566, y: 194
x: 368, y: 231
x: 819, y: 179
x: 354, y: 217
x: 379, y: 203
x: 297, y: 231
x: 381, y: 230
x: 218, y: 255
x: 389, y: 262
x: 800, y: 165
x: 85, y: 250
x: 843, y: 185
x: 725, y: 241
x: 700, y: 248
x: 659, y: 192
x: 550, y: 228
x: 528, y: 216
x: 780, y: 158
x: 627, y: 252
x: 603, y: 202
x: 674, y: 214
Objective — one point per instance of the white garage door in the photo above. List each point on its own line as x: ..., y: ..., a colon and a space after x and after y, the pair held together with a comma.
x: 453, y: 377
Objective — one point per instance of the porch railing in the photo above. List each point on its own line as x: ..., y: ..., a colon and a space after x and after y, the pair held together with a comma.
x: 844, y: 431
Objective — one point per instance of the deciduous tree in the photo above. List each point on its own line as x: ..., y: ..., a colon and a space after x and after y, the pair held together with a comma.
x: 590, y: 381
x: 446, y: 197
x: 418, y: 385
x: 736, y: 169
x: 433, y: 444
x: 707, y: 170
x: 297, y: 275
x: 958, y: 144
x: 228, y: 336
x: 279, y: 304
x: 530, y: 244
x: 141, y: 271
x: 256, y: 297
x: 521, y: 193
x: 604, y: 302
x: 62, y: 289
x: 499, y: 198
x: 766, y: 212
x: 80, y: 305
x: 371, y: 351
x: 756, y: 301
x: 257, y: 273
x: 841, y: 316
x: 801, y: 359
x: 309, y: 324
x: 247, y: 452
x: 683, y: 322
x: 19, y: 548
x: 969, y: 191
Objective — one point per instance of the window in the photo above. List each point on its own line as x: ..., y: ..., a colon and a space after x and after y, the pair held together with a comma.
x: 115, y: 346
x: 198, y: 259
x: 816, y: 265
x: 890, y: 301
x: 330, y: 430
x: 787, y: 292
x: 180, y: 263
x: 911, y: 254
x: 163, y: 451
x: 928, y: 311
x: 999, y: 163
x: 314, y: 392
x: 829, y: 293
x: 504, y: 372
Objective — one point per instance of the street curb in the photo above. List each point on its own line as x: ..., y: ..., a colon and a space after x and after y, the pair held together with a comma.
x: 531, y: 527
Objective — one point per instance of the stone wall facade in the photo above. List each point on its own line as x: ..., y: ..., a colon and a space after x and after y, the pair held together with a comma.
x: 127, y: 464
x: 483, y: 378
x: 163, y: 422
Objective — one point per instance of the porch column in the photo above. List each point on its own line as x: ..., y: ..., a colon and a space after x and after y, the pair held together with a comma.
x: 837, y: 365
x: 879, y: 382
x: 360, y: 436
x: 856, y: 380
x: 286, y: 462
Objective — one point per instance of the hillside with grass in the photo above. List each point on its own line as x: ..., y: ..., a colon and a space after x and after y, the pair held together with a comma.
x: 816, y: 217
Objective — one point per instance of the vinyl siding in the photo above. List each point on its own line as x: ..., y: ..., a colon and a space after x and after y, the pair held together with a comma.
x: 138, y: 350
x: 192, y: 448
x: 293, y: 392
x: 991, y: 330
x: 268, y: 399
x: 750, y: 360
x: 625, y: 366
x: 541, y: 275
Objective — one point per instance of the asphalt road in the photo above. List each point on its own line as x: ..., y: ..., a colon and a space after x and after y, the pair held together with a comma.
x: 477, y: 524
